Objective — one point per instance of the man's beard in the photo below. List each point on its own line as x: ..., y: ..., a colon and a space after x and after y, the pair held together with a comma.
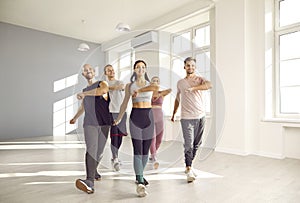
x: 89, y: 77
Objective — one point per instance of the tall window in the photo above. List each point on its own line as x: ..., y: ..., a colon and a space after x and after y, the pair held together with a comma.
x: 193, y: 42
x: 287, y: 48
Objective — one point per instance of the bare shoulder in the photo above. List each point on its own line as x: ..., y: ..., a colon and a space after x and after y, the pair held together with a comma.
x: 103, y: 84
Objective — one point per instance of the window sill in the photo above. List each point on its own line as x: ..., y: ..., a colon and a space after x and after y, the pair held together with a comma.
x: 286, y: 122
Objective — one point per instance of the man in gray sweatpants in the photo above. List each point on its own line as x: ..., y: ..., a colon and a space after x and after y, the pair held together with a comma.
x: 96, y: 124
x: 189, y: 91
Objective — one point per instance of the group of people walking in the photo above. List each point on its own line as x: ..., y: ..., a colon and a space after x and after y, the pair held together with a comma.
x: 105, y: 103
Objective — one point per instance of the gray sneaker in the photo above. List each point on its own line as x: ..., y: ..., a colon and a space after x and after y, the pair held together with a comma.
x: 85, y: 185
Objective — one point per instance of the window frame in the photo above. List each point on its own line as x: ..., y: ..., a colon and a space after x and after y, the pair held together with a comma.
x: 278, y: 32
x: 193, y: 52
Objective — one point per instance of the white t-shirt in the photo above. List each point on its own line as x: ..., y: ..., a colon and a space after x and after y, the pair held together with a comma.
x: 116, y: 96
x: 192, y: 103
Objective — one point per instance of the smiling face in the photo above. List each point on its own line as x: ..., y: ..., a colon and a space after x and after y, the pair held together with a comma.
x: 140, y: 69
x: 110, y: 72
x: 88, y: 72
x: 190, y: 67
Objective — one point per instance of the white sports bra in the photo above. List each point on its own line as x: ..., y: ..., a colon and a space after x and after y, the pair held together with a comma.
x: 141, y: 96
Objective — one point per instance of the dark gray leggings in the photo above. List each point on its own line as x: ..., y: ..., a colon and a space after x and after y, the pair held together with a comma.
x: 142, y: 130
x: 95, y: 140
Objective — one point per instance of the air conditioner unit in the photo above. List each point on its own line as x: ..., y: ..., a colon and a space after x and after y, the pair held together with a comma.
x: 144, y: 38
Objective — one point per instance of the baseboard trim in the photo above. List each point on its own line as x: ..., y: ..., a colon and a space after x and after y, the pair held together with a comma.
x: 270, y: 155
x: 231, y: 151
x: 242, y: 153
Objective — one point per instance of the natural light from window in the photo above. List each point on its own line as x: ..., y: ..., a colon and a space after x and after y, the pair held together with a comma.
x: 288, y: 37
x: 182, y: 42
x: 65, y: 83
x: 63, y: 111
x: 289, y: 12
x: 202, y: 37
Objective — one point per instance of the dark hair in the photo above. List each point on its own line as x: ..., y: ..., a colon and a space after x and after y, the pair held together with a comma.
x: 189, y: 59
x: 133, y: 77
x: 139, y: 61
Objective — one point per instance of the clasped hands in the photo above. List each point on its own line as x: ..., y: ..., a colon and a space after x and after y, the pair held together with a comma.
x: 116, y: 122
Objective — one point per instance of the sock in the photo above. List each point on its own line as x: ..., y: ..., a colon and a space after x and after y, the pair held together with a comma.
x: 140, y: 178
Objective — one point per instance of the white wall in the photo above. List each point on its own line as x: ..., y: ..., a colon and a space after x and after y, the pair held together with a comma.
x: 230, y: 65
x: 240, y: 62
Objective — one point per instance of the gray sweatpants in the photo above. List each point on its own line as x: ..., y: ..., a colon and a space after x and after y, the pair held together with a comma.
x: 95, y: 140
x: 192, y: 130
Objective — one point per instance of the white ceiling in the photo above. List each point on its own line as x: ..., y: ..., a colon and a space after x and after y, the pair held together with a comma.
x: 94, y: 20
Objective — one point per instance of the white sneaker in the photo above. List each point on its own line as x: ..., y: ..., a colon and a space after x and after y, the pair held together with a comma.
x: 155, y: 165
x: 193, y: 171
x: 195, y: 174
x: 141, y: 190
x: 190, y: 177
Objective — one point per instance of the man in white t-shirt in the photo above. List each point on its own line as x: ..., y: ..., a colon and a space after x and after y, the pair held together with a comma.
x: 116, y: 94
x: 191, y: 97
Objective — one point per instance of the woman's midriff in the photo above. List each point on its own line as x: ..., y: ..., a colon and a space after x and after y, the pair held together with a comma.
x: 141, y: 105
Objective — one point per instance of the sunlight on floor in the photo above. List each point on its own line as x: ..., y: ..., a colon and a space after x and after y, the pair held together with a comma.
x: 40, y: 163
x: 42, y: 146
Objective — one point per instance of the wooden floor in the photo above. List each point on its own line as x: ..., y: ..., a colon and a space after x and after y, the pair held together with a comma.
x: 45, y: 170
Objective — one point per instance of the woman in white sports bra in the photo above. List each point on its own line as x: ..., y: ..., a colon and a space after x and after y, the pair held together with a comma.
x: 141, y: 122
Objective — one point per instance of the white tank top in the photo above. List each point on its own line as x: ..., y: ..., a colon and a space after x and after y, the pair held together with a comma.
x: 116, y: 97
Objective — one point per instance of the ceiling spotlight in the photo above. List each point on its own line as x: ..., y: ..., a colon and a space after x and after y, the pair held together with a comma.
x: 83, y: 47
x: 122, y: 27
